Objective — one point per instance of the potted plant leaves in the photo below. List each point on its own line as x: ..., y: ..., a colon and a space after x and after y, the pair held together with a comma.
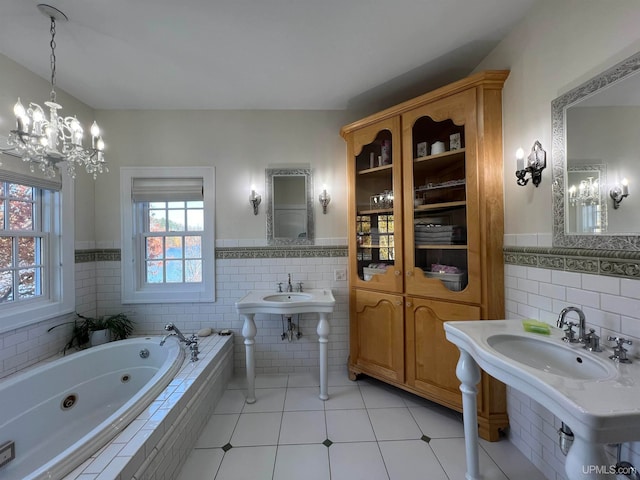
x: 91, y: 331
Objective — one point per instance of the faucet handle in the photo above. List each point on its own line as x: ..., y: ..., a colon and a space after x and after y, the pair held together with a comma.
x: 300, y: 286
x: 279, y: 287
x: 619, y: 352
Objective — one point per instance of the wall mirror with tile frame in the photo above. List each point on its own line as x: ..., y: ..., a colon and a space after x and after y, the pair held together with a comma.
x: 290, y: 219
x: 596, y: 123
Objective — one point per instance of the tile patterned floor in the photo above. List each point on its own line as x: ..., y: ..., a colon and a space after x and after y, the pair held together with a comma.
x: 366, y: 430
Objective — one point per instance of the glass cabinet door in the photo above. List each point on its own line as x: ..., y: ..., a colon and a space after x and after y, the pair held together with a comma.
x: 441, y: 226
x: 375, y: 206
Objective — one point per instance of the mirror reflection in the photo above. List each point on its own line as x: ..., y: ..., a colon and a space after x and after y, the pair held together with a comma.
x: 289, y: 206
x: 595, y: 148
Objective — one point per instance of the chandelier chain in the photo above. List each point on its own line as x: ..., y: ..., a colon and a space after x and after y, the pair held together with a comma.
x: 52, y: 44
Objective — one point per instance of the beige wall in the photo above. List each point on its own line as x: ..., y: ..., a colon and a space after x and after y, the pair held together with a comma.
x: 559, y: 45
x: 240, y: 144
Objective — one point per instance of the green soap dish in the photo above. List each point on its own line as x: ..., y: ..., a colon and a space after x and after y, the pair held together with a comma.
x: 535, y: 326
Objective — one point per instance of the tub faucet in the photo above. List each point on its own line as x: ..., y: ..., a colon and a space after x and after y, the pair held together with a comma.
x: 191, y: 342
x: 569, y: 331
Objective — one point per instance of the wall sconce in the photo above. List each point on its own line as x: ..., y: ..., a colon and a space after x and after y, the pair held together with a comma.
x: 254, y: 200
x: 536, y: 162
x: 619, y: 192
x: 324, y: 198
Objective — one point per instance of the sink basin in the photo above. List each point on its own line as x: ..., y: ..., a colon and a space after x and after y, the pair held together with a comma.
x: 319, y: 300
x: 549, y: 357
x: 287, y: 297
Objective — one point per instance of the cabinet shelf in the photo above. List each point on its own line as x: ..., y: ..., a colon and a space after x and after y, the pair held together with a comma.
x: 378, y: 211
x: 447, y: 154
x: 439, y: 206
x: 375, y: 170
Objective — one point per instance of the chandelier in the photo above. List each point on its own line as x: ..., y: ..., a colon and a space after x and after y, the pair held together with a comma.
x: 46, y: 142
x: 587, y: 192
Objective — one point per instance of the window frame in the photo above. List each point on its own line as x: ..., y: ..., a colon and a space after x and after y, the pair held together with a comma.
x: 134, y: 289
x: 57, y: 210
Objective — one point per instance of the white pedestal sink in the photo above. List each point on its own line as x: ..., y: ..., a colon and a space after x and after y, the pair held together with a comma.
x: 595, y: 396
x: 320, y: 301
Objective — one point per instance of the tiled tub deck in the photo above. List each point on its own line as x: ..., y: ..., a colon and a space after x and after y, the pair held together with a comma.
x: 155, y: 445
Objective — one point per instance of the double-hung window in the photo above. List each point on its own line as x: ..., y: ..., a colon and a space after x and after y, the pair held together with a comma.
x: 36, y: 265
x: 168, y: 242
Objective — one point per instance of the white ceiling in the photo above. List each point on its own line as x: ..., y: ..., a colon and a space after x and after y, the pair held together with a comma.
x: 254, y: 54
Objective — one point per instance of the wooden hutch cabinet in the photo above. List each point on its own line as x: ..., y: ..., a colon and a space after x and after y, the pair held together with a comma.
x: 425, y: 238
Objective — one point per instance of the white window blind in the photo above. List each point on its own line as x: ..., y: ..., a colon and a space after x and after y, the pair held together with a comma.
x: 166, y: 189
x: 14, y: 170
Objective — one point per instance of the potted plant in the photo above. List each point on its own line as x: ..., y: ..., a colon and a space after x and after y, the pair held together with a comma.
x: 112, y: 327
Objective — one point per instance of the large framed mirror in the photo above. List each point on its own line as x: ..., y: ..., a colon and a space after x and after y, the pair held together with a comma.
x: 596, y: 138
x: 289, y: 206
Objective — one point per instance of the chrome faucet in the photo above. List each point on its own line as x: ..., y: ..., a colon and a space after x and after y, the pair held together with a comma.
x: 289, y: 286
x: 191, y: 342
x: 569, y: 331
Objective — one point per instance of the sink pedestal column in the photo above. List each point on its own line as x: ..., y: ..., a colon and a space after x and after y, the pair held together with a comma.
x: 249, y: 333
x: 323, y: 339
x: 587, y: 461
x: 468, y: 373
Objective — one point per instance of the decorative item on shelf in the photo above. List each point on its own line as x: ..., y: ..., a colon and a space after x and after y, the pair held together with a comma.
x: 381, y: 201
x: 455, y: 142
x: 386, y: 152
x: 44, y: 142
x: 619, y: 192
x: 324, y: 199
x: 254, y: 199
x: 586, y: 193
x: 421, y: 149
x: 437, y: 147
x: 451, y: 276
x: 536, y: 162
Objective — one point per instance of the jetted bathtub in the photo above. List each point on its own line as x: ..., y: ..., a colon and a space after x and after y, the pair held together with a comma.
x: 60, y: 413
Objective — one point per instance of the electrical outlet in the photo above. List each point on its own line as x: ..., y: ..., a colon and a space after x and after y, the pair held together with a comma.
x: 340, y: 275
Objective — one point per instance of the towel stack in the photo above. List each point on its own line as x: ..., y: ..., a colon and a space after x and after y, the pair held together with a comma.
x: 429, y: 234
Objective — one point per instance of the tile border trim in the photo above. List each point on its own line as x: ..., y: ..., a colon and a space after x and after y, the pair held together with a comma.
x: 615, y: 263
x: 288, y: 251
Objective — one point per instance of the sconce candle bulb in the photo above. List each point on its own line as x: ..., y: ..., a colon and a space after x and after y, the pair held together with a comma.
x: 536, y: 162
x: 619, y: 193
x: 324, y: 199
x: 254, y: 199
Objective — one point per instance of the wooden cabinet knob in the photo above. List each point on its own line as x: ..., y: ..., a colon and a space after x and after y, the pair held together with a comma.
x: 409, y: 273
x: 399, y: 303
x: 408, y: 304
x: 397, y: 272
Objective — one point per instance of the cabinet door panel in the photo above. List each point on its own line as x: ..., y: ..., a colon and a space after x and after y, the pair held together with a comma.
x: 377, y: 334
x: 374, y: 169
x: 431, y: 358
x: 442, y: 235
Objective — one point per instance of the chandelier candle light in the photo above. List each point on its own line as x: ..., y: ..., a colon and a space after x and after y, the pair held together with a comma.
x: 46, y: 142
